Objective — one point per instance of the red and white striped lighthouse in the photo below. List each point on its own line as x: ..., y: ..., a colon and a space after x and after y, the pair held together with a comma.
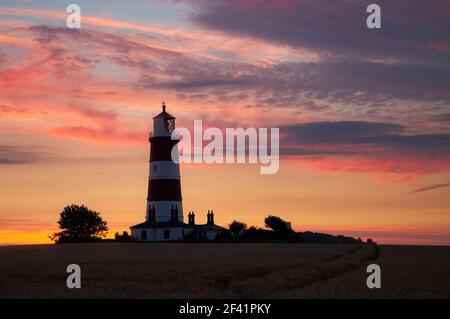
x: 164, y: 188
x: 164, y: 218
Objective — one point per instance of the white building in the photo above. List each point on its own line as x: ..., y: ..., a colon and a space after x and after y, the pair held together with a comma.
x: 164, y: 217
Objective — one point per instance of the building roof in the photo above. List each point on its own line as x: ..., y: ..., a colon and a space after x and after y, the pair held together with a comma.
x: 149, y: 224
x: 209, y: 227
x: 176, y: 224
x: 164, y: 113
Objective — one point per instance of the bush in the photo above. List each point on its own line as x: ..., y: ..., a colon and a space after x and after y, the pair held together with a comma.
x: 237, y: 227
x: 79, y: 224
x: 276, y: 224
x: 124, y: 237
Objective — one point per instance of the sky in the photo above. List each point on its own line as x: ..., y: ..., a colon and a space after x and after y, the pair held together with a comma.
x: 363, y: 113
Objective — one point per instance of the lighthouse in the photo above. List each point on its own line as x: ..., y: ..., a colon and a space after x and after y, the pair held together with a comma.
x: 164, y: 210
x: 164, y: 201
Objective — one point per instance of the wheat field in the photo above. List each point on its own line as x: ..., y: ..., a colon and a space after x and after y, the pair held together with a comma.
x: 244, y: 270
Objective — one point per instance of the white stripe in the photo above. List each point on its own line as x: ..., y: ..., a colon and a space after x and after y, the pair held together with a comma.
x: 164, y: 170
x: 162, y: 209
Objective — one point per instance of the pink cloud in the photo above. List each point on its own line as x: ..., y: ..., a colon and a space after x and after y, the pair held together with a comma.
x: 103, y: 135
x: 100, y: 91
x: 19, y: 113
x: 388, y: 164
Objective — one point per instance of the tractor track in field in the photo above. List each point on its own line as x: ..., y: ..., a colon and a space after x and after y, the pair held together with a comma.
x: 274, y: 282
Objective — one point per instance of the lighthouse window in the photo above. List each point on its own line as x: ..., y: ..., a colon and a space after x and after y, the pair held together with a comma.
x: 166, y: 234
x: 169, y: 124
x: 154, y: 168
x: 144, y: 235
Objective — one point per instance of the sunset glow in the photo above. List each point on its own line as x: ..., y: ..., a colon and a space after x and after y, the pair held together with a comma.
x: 363, y: 116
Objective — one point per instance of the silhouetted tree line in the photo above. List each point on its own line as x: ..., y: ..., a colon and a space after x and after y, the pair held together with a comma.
x: 321, y: 238
x: 279, y: 230
x: 80, y: 224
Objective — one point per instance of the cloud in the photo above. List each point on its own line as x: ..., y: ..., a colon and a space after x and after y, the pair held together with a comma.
x: 361, y: 72
x: 360, y: 132
x: 106, y: 135
x: 363, y: 83
x: 15, y: 155
x: 198, y: 42
x: 339, y: 132
x: 430, y: 188
x: 97, y: 90
x: 358, y: 146
x: 333, y: 88
x: 19, y: 112
x: 415, y: 31
x: 386, y: 165
x: 442, y: 117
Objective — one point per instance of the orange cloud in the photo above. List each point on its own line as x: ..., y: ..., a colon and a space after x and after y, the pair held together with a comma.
x: 19, y: 113
x: 104, y: 135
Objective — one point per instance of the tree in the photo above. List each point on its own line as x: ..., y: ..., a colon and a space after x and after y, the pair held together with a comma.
x: 78, y: 223
x: 258, y: 234
x: 122, y: 237
x: 237, y: 227
x: 276, y: 224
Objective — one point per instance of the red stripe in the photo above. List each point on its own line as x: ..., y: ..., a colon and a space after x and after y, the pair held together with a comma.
x: 161, y: 148
x: 164, y: 189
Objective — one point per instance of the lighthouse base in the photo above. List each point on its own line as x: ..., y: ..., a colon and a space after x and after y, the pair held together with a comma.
x: 174, y: 231
x: 158, y: 234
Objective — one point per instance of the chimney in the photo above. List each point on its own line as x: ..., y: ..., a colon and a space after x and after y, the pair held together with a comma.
x: 191, y: 218
x: 211, y: 218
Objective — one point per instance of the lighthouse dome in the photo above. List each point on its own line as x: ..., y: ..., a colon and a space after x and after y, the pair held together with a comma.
x: 163, y: 123
x: 164, y: 113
